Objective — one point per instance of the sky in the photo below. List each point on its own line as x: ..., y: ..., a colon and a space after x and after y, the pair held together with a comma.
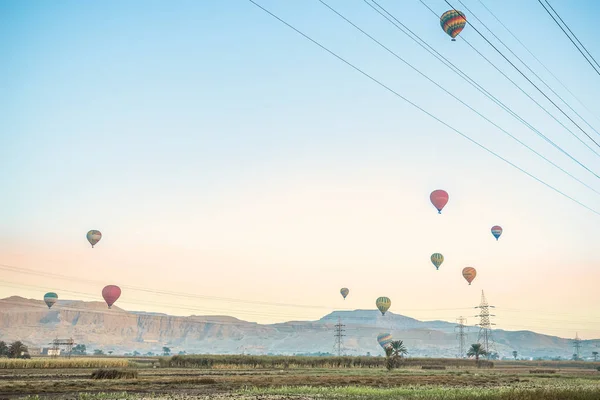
x: 235, y: 168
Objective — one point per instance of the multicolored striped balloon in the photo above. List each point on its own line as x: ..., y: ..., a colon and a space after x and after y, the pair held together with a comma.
x: 437, y: 259
x: 453, y: 22
x: 384, y: 339
x: 496, y: 231
x: 383, y: 304
x: 344, y: 291
x: 469, y: 274
x: 50, y: 298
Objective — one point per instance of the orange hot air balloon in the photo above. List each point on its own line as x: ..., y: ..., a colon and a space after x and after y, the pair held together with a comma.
x: 469, y: 274
x: 439, y: 198
x: 111, y: 293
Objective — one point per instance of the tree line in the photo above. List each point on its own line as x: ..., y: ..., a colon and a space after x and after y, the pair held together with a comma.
x: 15, y: 350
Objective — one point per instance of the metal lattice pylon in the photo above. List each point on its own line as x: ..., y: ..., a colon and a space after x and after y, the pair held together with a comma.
x: 339, y: 334
x: 460, y: 335
x: 485, y: 337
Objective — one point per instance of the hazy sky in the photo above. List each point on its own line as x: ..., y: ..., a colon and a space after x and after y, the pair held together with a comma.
x: 231, y: 162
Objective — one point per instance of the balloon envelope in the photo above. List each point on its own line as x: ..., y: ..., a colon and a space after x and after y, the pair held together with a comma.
x: 437, y: 259
x: 93, y: 237
x: 469, y: 274
x: 344, y: 292
x: 383, y: 304
x: 496, y: 231
x: 384, y: 339
x: 439, y: 198
x: 50, y: 298
x: 111, y: 293
x: 453, y: 22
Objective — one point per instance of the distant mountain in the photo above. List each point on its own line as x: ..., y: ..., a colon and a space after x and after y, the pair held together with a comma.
x: 92, y: 324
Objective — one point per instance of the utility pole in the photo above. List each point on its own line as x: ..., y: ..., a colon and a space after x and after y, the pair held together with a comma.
x: 485, y: 326
x: 460, y: 335
x: 339, y: 334
x: 576, y: 345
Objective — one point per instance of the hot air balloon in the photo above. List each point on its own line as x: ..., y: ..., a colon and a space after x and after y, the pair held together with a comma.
x: 384, y: 339
x: 453, y: 22
x: 93, y: 237
x: 439, y: 198
x: 111, y: 293
x: 437, y: 259
x: 50, y: 298
x: 469, y: 274
x: 383, y: 304
x: 496, y: 231
x: 344, y: 291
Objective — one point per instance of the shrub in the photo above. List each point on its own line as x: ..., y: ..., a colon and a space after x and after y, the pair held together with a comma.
x: 114, y: 374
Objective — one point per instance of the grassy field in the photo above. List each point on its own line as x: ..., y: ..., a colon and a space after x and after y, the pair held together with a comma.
x: 239, y: 377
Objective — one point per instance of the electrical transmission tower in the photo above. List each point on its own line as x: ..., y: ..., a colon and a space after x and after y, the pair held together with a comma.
x: 56, y: 343
x: 485, y: 326
x: 339, y: 334
x: 460, y: 335
x: 576, y: 346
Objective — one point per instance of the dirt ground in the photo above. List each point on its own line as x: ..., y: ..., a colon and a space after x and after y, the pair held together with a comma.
x: 221, y: 384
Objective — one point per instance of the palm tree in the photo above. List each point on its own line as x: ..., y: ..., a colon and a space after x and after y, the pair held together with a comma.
x: 398, y: 348
x: 595, y: 354
x: 515, y: 354
x: 476, y: 350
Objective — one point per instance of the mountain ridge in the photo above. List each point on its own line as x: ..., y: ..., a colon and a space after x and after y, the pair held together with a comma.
x: 91, y: 323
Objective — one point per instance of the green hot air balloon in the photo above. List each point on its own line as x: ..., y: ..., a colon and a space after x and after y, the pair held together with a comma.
x: 344, y: 291
x: 437, y: 259
x: 93, y: 237
x: 383, y: 304
x: 50, y: 298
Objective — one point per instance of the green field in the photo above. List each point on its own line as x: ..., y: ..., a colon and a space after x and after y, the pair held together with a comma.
x: 253, y: 378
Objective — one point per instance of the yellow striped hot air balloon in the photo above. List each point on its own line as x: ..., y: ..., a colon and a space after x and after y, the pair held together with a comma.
x: 383, y: 304
x: 437, y: 259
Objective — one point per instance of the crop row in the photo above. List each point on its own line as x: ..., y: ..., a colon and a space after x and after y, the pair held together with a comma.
x: 39, y: 363
x: 284, y: 362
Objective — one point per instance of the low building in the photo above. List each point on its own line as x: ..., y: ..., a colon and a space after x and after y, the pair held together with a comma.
x: 49, y: 351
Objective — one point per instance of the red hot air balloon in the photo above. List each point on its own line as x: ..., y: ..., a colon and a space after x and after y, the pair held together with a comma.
x: 111, y: 293
x: 439, y: 198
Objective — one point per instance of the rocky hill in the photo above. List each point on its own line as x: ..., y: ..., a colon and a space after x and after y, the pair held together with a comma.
x: 92, y: 324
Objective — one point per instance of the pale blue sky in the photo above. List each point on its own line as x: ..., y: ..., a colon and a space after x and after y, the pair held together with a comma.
x: 208, y: 137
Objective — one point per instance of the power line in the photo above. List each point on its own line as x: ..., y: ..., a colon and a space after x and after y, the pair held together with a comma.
x: 22, y: 270
x: 538, y: 60
x: 473, y: 83
x: 519, y: 87
x: 526, y: 77
x: 458, y: 99
x: 527, y: 66
x: 584, y: 56
x: 420, y: 108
